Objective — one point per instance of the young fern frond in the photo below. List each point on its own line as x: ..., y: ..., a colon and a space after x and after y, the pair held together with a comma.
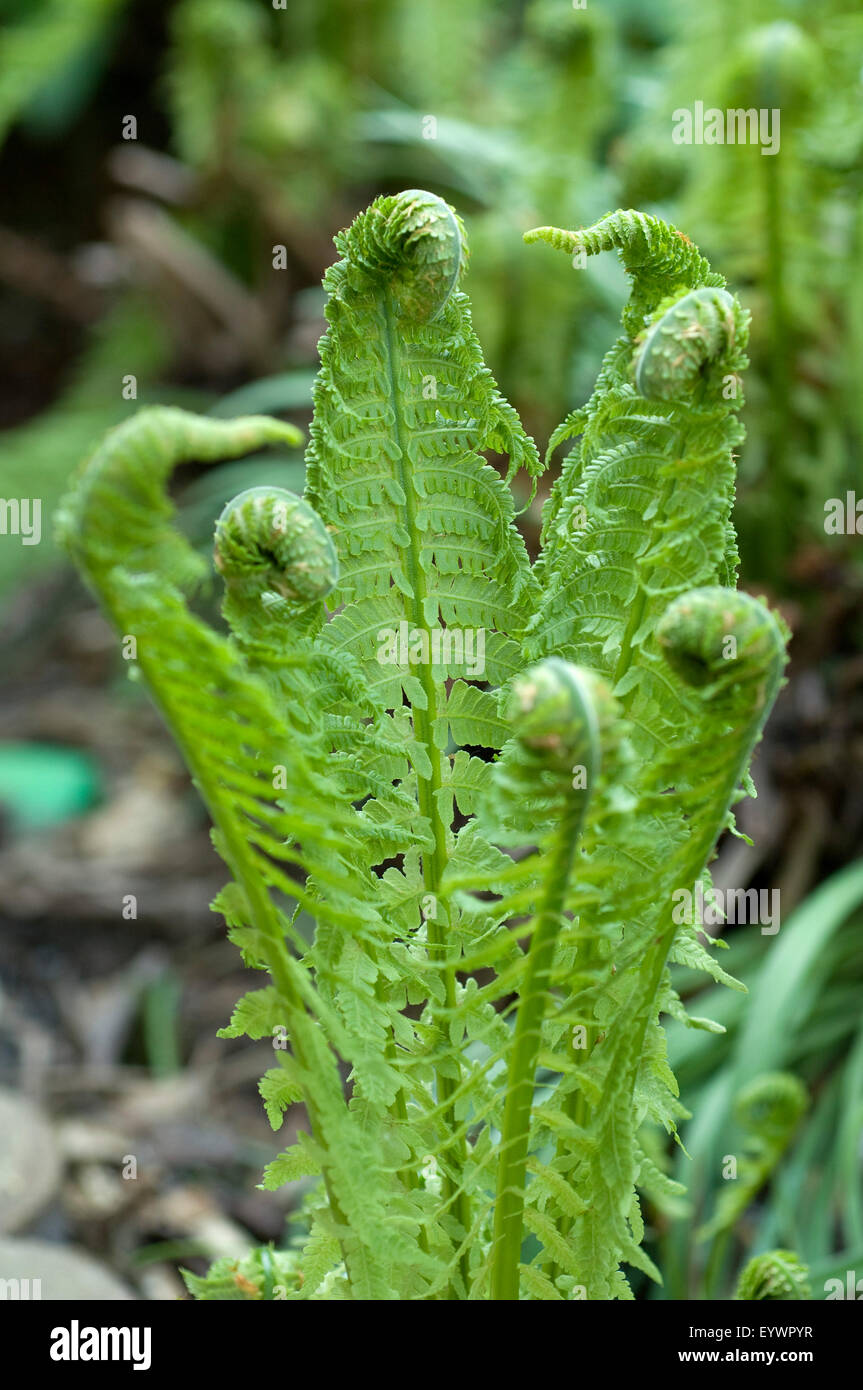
x: 635, y: 528
x: 557, y: 707
x: 766, y: 1112
x: 701, y: 777
x: 484, y: 780
x: 625, y: 528
x: 777, y: 1274
x: 235, y: 737
x: 431, y: 561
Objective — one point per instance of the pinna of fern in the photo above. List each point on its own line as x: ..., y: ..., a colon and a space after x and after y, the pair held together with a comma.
x: 622, y: 687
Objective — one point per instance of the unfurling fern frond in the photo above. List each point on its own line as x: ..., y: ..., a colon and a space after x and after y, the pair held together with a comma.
x: 637, y: 542
x: 280, y: 822
x: 657, y: 439
x: 435, y: 583
x: 484, y: 781
x: 404, y: 405
x: 683, y: 800
x: 766, y: 1113
x: 269, y: 541
x: 777, y: 1274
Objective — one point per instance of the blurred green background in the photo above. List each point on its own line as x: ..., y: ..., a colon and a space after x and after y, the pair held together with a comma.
x: 140, y: 270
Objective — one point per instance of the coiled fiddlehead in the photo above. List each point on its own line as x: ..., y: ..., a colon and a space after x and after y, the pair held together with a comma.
x: 552, y: 707
x: 270, y: 540
x: 722, y: 637
x: 770, y: 1107
x: 557, y: 711
x: 684, y: 341
x: 729, y: 651
x: 413, y: 241
x: 777, y: 1274
x: 767, y: 1112
x: 626, y: 528
x: 118, y: 511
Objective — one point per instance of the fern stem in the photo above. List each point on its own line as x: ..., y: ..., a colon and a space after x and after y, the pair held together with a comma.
x: 754, y: 692
x: 575, y: 1105
x: 509, y: 1201
x: 533, y: 999
x: 433, y: 865
x: 398, y: 1110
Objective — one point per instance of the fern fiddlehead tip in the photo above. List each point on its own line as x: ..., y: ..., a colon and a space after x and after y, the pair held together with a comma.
x: 712, y: 633
x: 659, y: 258
x: 557, y: 710
x: 701, y: 329
x: 771, y: 1104
x: 269, y: 539
x: 416, y: 241
x: 775, y: 1275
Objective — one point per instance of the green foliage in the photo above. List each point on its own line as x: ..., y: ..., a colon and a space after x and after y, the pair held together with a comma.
x: 767, y: 1112
x: 779, y: 1274
x: 786, y: 225
x: 51, y: 53
x: 283, y: 119
x: 484, y: 780
x: 263, y: 1274
x: 802, y: 1015
x: 37, y: 457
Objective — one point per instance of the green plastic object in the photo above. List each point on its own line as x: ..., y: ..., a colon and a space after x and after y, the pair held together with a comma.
x: 43, y: 784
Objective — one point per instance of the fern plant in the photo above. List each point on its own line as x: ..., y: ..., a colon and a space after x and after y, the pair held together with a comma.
x: 769, y: 218
x: 484, y: 779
